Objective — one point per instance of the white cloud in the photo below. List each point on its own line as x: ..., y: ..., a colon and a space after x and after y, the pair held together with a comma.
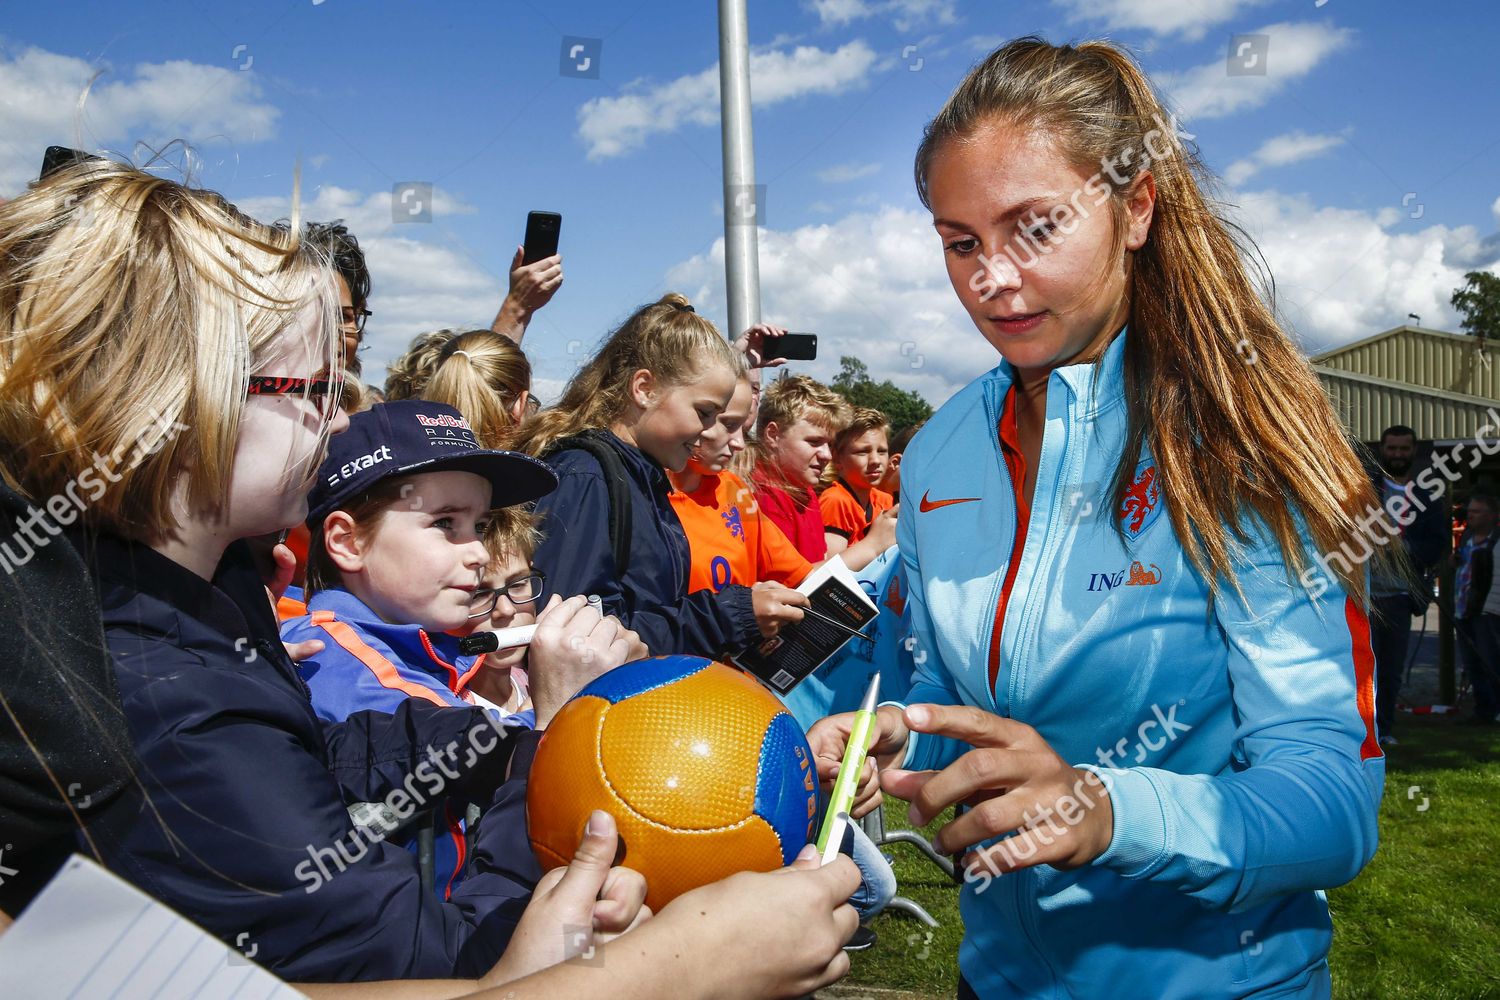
x: 153, y: 103
x: 873, y: 285
x: 843, y: 173
x: 870, y: 285
x: 1292, y: 51
x: 1279, y: 151
x: 904, y: 14
x: 366, y: 215
x: 612, y: 126
x: 417, y: 283
x: 1342, y: 274
x: 1160, y: 17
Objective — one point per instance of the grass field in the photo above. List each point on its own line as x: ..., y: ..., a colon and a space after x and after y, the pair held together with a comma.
x: 1422, y: 921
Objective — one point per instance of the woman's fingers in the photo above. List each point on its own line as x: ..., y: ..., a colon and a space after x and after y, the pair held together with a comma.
x: 867, y: 796
x: 904, y: 784
x: 977, y: 774
x: 548, y: 882
x: 806, y: 858
x: 845, y: 922
x: 592, y: 862
x: 839, y: 878
x: 836, y: 970
x: 642, y: 915
x: 970, y: 725
x: 829, y: 735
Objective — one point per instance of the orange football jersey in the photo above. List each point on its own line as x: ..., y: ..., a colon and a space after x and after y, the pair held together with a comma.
x: 844, y: 515
x: 731, y: 540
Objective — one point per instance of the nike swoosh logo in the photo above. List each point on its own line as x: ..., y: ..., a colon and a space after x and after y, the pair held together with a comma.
x: 927, y: 504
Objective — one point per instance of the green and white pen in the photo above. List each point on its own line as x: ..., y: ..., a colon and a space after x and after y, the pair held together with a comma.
x: 847, y: 783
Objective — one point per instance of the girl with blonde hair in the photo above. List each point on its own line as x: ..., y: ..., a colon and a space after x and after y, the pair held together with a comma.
x: 631, y: 415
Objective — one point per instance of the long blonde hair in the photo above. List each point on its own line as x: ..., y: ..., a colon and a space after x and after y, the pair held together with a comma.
x: 132, y: 309
x: 1233, y: 414
x: 482, y: 374
x: 666, y: 338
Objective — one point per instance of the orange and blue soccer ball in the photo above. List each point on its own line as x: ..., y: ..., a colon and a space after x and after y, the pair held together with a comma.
x: 704, y: 771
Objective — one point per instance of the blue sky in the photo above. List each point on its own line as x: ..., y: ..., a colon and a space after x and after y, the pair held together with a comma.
x: 1362, y: 160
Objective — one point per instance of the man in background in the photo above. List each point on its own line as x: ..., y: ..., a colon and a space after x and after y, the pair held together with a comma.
x: 1396, y: 597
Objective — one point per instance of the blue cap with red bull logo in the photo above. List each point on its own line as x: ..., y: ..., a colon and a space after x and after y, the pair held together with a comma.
x: 413, y: 436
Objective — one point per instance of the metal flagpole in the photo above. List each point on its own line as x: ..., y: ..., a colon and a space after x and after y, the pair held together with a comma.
x: 744, y: 207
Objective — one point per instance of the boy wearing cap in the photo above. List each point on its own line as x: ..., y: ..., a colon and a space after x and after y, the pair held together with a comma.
x: 397, y: 518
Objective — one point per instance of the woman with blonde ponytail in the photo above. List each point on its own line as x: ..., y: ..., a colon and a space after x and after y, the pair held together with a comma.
x: 486, y: 377
x: 631, y: 415
x: 1158, y: 728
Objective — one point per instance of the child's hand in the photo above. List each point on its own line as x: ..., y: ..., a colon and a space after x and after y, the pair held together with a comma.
x: 300, y: 651
x: 752, y: 342
x: 286, y: 568
x: 575, y: 909
x: 829, y: 737
x: 883, y: 529
x: 775, y: 606
x: 574, y: 644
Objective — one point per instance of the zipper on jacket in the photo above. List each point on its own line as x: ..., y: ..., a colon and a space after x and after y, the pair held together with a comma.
x: 1008, y: 578
x: 1028, y: 910
x: 1018, y: 552
x: 1028, y: 603
x: 997, y: 625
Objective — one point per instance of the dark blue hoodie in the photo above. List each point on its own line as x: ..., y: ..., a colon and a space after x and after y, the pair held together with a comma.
x: 244, y: 828
x: 652, y: 596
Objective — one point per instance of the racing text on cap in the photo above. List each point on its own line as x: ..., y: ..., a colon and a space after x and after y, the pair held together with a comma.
x: 349, y: 468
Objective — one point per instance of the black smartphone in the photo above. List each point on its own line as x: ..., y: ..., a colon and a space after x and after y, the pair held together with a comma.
x: 793, y: 347
x: 57, y: 157
x: 542, y: 229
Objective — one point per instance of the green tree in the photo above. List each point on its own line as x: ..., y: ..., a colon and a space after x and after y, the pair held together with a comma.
x: 1479, y: 302
x: 902, y: 407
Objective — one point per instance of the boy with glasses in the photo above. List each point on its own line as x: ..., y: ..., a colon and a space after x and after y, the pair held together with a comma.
x: 507, y: 598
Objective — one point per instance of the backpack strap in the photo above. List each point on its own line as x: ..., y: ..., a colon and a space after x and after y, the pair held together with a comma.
x: 616, y: 481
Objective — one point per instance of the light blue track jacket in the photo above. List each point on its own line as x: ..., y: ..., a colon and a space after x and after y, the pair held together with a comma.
x: 1237, y: 738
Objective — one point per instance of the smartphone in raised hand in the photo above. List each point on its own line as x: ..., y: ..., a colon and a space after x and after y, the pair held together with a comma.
x: 542, y: 231
x: 791, y: 346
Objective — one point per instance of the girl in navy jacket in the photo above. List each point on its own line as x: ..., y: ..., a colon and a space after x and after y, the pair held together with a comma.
x: 633, y: 413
